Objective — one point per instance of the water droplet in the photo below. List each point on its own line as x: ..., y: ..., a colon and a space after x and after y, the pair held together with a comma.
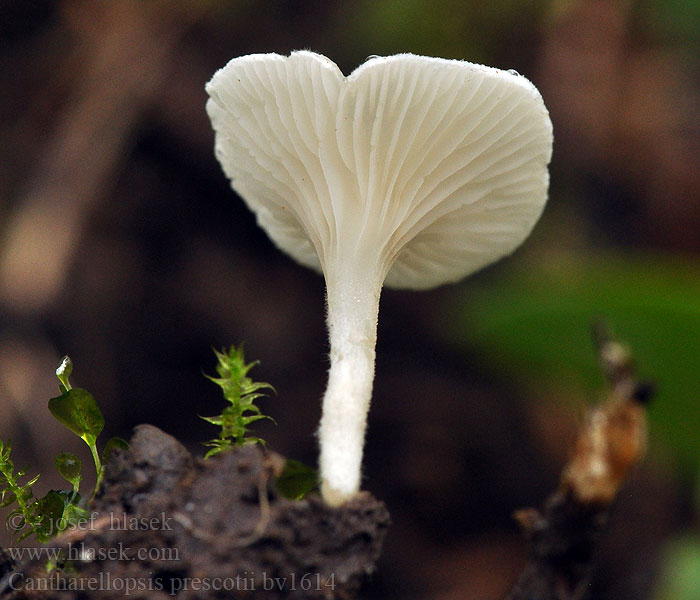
x: 371, y: 56
x: 514, y: 72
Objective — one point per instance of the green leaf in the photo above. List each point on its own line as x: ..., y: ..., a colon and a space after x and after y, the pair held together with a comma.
x: 113, y: 444
x: 74, y: 513
x: 33, y: 480
x: 79, y: 412
x: 48, y: 511
x: 297, y: 480
x: 217, y: 446
x: 69, y: 466
x: 7, y: 499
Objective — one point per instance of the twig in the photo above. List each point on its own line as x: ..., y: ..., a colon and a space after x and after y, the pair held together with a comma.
x: 565, y: 533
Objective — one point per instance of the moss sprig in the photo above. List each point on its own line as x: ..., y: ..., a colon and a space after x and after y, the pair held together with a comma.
x: 241, y: 392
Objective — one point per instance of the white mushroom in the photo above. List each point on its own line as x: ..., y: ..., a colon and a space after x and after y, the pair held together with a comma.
x: 411, y: 172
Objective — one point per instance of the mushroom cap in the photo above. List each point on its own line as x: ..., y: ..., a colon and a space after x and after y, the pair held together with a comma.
x: 433, y: 168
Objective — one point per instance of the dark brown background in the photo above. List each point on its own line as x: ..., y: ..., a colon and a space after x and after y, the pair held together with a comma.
x: 122, y: 245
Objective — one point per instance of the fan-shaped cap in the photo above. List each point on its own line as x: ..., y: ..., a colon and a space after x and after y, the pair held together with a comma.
x: 430, y: 168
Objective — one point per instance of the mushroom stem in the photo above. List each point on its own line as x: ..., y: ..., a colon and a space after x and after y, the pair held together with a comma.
x: 353, y: 307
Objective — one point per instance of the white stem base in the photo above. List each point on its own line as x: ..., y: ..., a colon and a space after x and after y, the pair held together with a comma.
x: 352, y: 322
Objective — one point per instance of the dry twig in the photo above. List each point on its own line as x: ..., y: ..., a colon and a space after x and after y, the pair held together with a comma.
x: 564, y: 534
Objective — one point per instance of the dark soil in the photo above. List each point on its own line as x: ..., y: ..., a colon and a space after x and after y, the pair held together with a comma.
x: 166, y: 525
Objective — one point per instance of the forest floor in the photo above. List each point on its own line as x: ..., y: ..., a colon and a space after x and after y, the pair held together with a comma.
x: 165, y: 524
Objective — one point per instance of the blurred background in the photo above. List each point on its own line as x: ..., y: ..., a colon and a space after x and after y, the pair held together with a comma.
x: 122, y: 245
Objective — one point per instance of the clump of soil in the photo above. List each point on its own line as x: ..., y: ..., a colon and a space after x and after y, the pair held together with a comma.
x: 166, y: 525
